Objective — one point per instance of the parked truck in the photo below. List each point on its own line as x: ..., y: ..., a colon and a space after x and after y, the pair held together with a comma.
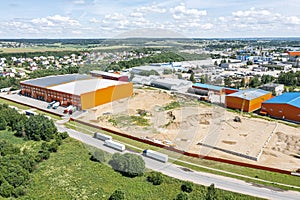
x: 55, y: 106
x: 101, y: 136
x: 156, y: 155
x: 114, y: 145
x: 70, y: 107
x: 51, y: 104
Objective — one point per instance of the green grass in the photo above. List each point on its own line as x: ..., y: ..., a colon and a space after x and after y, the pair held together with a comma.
x: 172, y: 105
x: 69, y: 174
x: 9, y: 136
x: 254, y: 173
x: 129, y: 121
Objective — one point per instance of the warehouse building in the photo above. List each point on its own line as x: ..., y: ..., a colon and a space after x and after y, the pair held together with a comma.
x: 171, y: 84
x: 247, y: 100
x: 203, y: 89
x: 110, y: 76
x: 285, y: 106
x: 276, y: 89
x: 82, y: 91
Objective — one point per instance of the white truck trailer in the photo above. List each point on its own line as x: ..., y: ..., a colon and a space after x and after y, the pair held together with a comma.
x: 156, y: 155
x: 114, y: 145
x: 101, y: 136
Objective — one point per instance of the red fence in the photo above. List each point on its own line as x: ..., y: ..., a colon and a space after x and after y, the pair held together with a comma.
x: 187, y: 153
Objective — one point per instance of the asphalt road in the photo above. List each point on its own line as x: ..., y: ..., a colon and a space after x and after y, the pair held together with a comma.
x: 202, y: 178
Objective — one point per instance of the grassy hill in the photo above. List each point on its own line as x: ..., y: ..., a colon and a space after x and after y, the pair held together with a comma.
x: 70, y: 174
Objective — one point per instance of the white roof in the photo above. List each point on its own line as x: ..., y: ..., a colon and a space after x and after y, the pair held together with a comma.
x: 106, y: 74
x: 84, y: 86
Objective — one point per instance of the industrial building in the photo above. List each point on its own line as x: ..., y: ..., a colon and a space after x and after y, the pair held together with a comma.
x: 247, y: 100
x: 82, y: 91
x: 276, y: 89
x: 171, y: 84
x: 110, y: 76
x: 285, y: 106
x: 203, y: 89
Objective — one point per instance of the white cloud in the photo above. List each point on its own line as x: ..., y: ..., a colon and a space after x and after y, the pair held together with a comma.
x: 153, y: 9
x: 180, y: 12
x: 293, y: 20
x: 55, y: 20
x: 136, y: 14
x: 94, y: 20
x: 79, y: 2
x: 252, y: 13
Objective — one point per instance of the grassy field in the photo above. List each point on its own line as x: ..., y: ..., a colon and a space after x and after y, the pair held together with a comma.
x: 244, y: 171
x: 69, y: 174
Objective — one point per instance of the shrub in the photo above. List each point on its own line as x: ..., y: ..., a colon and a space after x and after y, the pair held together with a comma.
x: 182, y: 196
x: 117, y: 195
x: 187, y: 187
x: 98, y: 156
x: 155, y: 178
x: 128, y: 164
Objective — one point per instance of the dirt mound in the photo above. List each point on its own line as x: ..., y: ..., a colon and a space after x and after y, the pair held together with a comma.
x: 229, y: 142
x: 286, y: 143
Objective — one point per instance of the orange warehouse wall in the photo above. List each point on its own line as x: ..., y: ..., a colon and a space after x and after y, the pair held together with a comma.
x: 249, y: 105
x: 106, y: 95
x: 256, y: 103
x: 237, y: 103
x: 281, y: 111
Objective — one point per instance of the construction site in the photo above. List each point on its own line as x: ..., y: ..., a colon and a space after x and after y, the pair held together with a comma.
x: 201, y: 128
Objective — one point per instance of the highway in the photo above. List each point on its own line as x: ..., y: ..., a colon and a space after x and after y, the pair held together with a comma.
x: 201, y: 178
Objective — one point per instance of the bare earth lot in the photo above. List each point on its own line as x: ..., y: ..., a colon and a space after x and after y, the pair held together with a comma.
x: 273, y: 144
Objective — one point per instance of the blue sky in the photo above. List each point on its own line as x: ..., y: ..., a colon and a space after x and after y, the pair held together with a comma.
x: 172, y: 18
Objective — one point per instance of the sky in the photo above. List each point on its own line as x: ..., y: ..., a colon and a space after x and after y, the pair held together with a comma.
x: 146, y: 18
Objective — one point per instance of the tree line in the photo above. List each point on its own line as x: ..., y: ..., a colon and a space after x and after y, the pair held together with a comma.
x: 17, y: 163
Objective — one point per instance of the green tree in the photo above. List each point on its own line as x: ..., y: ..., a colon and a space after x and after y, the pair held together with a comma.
x: 38, y: 127
x: 227, y: 82
x: 117, y: 195
x: 6, y: 189
x: 3, y: 123
x: 192, y: 78
x: 182, y: 196
x: 254, y: 82
x: 187, y: 187
x: 98, y: 155
x: 155, y: 178
x: 128, y: 164
x: 211, y: 193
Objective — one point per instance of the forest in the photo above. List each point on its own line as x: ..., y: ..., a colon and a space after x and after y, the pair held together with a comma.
x: 17, y: 163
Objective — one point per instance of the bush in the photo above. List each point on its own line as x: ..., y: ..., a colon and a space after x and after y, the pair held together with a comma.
x: 182, y: 196
x: 128, y: 164
x: 187, y: 187
x: 155, y: 178
x: 98, y: 156
x: 117, y: 195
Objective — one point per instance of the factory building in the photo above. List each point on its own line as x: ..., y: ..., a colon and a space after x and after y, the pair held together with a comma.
x: 247, y: 100
x: 203, y: 89
x: 110, y: 76
x: 285, y: 106
x: 171, y: 84
x: 82, y: 91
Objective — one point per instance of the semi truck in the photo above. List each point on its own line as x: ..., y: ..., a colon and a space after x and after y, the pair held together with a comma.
x: 155, y: 155
x: 55, y: 105
x: 69, y: 108
x: 101, y: 136
x: 51, y: 104
x: 114, y: 145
